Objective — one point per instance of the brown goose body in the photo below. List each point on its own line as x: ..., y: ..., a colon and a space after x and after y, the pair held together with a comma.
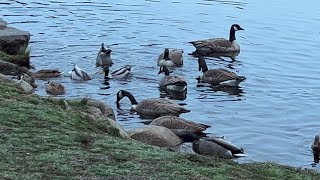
x: 171, y: 83
x: 171, y: 57
x: 55, y: 88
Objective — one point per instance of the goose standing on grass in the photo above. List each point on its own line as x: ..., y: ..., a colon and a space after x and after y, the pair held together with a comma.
x: 154, y: 107
x: 47, y: 73
x: 79, y: 74
x: 104, y: 57
x: 55, y: 88
x: 221, y: 77
x: 172, y: 57
x: 218, y: 45
x: 187, y: 130
x: 217, y: 146
x: 171, y: 83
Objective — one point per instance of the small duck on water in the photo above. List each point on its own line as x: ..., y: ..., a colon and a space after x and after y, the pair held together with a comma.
x: 79, y: 74
x: 208, y: 47
x: 47, y: 73
x: 104, y: 57
x: 117, y: 74
x: 55, y: 88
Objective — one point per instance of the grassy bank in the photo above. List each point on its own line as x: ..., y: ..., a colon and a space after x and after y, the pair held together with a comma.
x: 22, y: 58
x: 42, y: 140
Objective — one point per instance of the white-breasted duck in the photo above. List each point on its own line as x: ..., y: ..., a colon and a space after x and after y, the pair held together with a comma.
x: 79, y: 74
x: 171, y: 83
x: 153, y: 107
x: 221, y: 77
x: 171, y: 57
x: 218, y: 45
x: 104, y: 57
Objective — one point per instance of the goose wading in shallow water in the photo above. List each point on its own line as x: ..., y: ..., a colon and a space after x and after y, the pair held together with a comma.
x: 316, y: 148
x: 170, y: 57
x: 220, y: 77
x: 218, y: 45
x: 153, y: 107
x: 55, y: 88
x: 214, y: 146
x: 187, y: 130
x: 117, y: 74
x: 171, y: 83
x: 104, y: 57
x: 79, y: 74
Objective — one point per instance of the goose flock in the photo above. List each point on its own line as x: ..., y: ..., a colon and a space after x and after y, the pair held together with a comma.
x: 163, y: 111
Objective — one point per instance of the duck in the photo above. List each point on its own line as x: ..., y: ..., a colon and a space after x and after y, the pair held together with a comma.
x: 187, y: 130
x: 79, y: 74
x: 222, y: 77
x: 47, y: 73
x: 153, y: 107
x: 104, y: 57
x: 218, y: 45
x: 216, y: 146
x: 117, y: 74
x: 55, y: 88
x: 27, y: 78
x: 171, y: 57
x: 171, y: 83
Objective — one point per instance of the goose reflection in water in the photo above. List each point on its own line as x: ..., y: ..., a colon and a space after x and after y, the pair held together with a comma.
x: 235, y: 91
x: 173, y: 95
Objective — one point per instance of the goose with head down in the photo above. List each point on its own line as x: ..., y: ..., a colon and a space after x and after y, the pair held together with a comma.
x: 104, y: 57
x: 218, y: 45
x: 79, y: 74
x: 154, y: 107
x: 220, y: 77
x: 170, y: 57
x: 171, y: 83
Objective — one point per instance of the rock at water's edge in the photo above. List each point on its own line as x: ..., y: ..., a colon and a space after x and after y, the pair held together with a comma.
x: 12, y: 39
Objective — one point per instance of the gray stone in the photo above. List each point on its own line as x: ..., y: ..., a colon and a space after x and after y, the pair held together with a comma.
x: 156, y: 135
x: 3, y: 24
x: 97, y: 110
x: 20, y: 84
x: 12, y: 39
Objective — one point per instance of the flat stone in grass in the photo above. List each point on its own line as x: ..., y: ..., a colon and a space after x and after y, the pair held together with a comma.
x: 156, y: 135
x: 12, y: 39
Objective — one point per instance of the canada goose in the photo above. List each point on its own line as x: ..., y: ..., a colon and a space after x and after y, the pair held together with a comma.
x: 104, y: 57
x: 218, y: 45
x: 181, y: 127
x: 172, y: 57
x: 79, y: 74
x: 55, y: 88
x: 221, y: 77
x: 153, y: 107
x: 217, y: 146
x: 316, y: 148
x: 47, y: 73
x: 171, y: 83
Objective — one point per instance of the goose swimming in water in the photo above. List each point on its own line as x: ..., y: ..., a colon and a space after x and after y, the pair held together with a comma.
x: 218, y: 45
x: 172, y: 57
x: 221, y: 77
x: 217, y: 146
x: 79, y: 74
x: 154, y: 107
x: 171, y: 83
x: 104, y: 57
x: 55, y: 88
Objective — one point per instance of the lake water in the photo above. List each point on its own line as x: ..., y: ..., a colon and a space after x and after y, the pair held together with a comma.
x: 274, y: 115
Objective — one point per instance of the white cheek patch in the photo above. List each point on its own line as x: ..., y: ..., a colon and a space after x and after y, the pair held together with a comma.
x: 235, y: 28
x: 120, y: 95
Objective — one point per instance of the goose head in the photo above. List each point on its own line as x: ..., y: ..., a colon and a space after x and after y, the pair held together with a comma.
x: 120, y: 95
x: 202, y: 64
x: 315, y: 144
x: 236, y: 27
x: 164, y: 69
x: 123, y: 93
x: 166, y: 54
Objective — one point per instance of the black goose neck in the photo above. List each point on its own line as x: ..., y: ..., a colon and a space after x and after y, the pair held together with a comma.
x: 130, y: 96
x: 166, y: 70
x: 232, y: 35
x: 202, y: 65
x: 166, y: 54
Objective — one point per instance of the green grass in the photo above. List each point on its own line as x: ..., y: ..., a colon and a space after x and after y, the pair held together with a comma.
x: 40, y: 139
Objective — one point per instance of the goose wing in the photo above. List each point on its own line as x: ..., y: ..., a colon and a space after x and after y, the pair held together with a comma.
x: 172, y: 80
x: 173, y: 122
x: 159, y: 107
x: 222, y: 142
x: 215, y: 76
x: 212, y: 45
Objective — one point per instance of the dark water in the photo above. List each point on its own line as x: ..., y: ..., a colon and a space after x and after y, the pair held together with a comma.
x: 274, y: 115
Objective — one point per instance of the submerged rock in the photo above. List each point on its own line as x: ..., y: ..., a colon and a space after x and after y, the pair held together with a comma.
x: 156, y: 135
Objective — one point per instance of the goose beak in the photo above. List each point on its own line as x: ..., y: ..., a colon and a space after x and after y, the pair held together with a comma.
x: 240, y: 28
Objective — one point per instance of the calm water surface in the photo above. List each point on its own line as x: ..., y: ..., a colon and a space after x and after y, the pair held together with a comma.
x: 274, y: 115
